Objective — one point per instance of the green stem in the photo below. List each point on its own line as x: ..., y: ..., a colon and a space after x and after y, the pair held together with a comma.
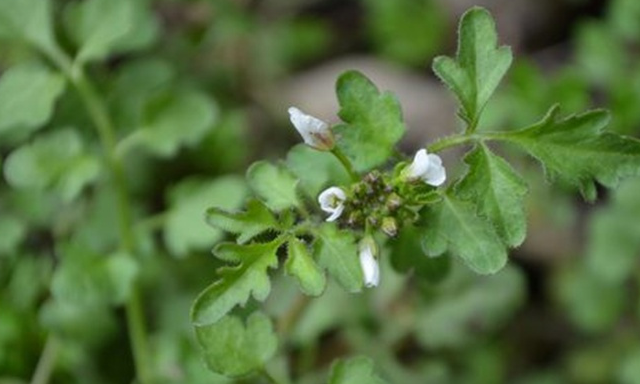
x: 451, y: 141
x: 345, y: 163
x: 97, y: 111
x: 47, y: 360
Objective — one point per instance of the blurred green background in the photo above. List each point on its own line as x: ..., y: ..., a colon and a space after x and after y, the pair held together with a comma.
x: 197, y: 90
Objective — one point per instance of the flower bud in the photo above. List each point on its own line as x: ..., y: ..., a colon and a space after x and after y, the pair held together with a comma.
x: 368, y: 252
x: 315, y: 132
x: 389, y: 226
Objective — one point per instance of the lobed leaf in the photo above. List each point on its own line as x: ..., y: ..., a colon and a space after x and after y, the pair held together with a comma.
x: 337, y: 252
x: 301, y: 265
x: 498, y: 192
x: 315, y: 169
x: 233, y: 349
x: 453, y: 225
x: 28, y: 21
x: 236, y: 283
x: 479, y: 65
x: 357, y: 370
x: 247, y: 224
x: 576, y: 150
x: 274, y: 185
x: 372, y: 121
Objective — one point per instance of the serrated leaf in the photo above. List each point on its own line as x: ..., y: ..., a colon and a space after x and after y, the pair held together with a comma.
x: 29, y: 21
x: 233, y: 349
x: 454, y: 225
x: 498, y: 192
x: 173, y: 120
x: 28, y: 93
x: 357, y: 370
x: 479, y: 66
x: 246, y: 224
x: 53, y: 160
x: 576, y: 150
x: 236, y: 283
x: 184, y: 230
x: 337, y: 252
x: 274, y: 185
x: 301, y: 265
x: 315, y: 169
x: 372, y: 121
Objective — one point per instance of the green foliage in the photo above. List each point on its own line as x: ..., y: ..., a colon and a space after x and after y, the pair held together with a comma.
x: 479, y: 66
x: 357, y: 370
x: 315, y: 169
x: 28, y: 21
x: 275, y: 185
x: 372, y: 121
x: 336, y: 251
x: 233, y: 349
x: 301, y: 265
x: 247, y: 225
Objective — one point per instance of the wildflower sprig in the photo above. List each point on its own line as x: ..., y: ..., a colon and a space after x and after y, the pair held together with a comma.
x: 340, y: 199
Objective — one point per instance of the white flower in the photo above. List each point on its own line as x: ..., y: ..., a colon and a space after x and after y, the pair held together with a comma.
x: 314, y: 132
x: 427, y: 167
x: 332, y: 201
x: 368, y: 262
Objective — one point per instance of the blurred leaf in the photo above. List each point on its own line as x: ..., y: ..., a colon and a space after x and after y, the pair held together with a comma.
x: 337, y: 252
x: 185, y: 229
x: 274, y: 185
x: 234, y: 350
x: 88, y: 323
x: 12, y: 233
x: 315, y: 169
x: 407, y: 254
x: 599, y: 54
x: 301, y: 265
x: 459, y: 316
x: 28, y: 93
x: 236, y: 283
x: 357, y: 370
x: 248, y: 224
x: 576, y: 150
x: 407, y: 31
x: 372, y: 121
x: 624, y: 19
x: 629, y: 372
x: 29, y: 21
x: 498, y: 192
x: 479, y: 66
x: 453, y: 225
x: 55, y: 160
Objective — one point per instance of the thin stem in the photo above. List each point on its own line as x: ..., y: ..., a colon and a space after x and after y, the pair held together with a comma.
x: 345, y: 163
x: 451, y: 141
x: 44, y: 369
x: 291, y: 317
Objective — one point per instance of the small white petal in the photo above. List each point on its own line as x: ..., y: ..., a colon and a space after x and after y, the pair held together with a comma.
x: 369, y: 265
x: 427, y: 167
x: 419, y: 165
x: 314, y: 132
x: 332, y: 201
x: 436, y: 174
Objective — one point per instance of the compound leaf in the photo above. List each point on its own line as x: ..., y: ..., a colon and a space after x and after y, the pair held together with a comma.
x: 247, y: 224
x: 301, y: 265
x: 337, y: 252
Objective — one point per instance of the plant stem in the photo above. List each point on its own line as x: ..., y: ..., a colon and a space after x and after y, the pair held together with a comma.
x: 98, y: 113
x: 46, y: 362
x: 451, y: 141
x: 345, y: 163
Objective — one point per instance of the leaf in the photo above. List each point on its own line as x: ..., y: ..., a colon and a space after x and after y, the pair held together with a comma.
x: 173, y: 120
x: 53, y: 160
x: 575, y: 149
x: 96, y: 25
x: 407, y: 254
x: 337, y: 252
x: 373, y: 121
x: 29, y: 21
x: 315, y: 169
x: 498, y: 192
x: 479, y: 66
x: 28, y: 93
x: 184, y: 229
x: 274, y: 185
x: 357, y: 370
x: 13, y: 233
x: 236, y: 283
x: 248, y: 224
x: 301, y: 265
x: 234, y: 350
x: 453, y: 225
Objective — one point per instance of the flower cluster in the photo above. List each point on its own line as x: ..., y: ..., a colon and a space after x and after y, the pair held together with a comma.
x: 378, y: 201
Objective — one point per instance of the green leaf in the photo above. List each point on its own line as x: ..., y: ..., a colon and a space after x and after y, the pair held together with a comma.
x: 29, y: 21
x: 337, y: 252
x: 13, y: 232
x: 357, y: 370
x: 274, y: 185
x: 248, y: 224
x: 184, y: 230
x: 173, y: 120
x: 576, y: 150
x: 234, y: 350
x: 301, y: 265
x: 236, y: 283
x: 28, y: 93
x: 479, y: 66
x: 454, y: 225
x: 373, y: 121
x: 498, y: 192
x: 96, y: 25
x: 315, y: 169
x: 407, y: 254
x: 53, y: 160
